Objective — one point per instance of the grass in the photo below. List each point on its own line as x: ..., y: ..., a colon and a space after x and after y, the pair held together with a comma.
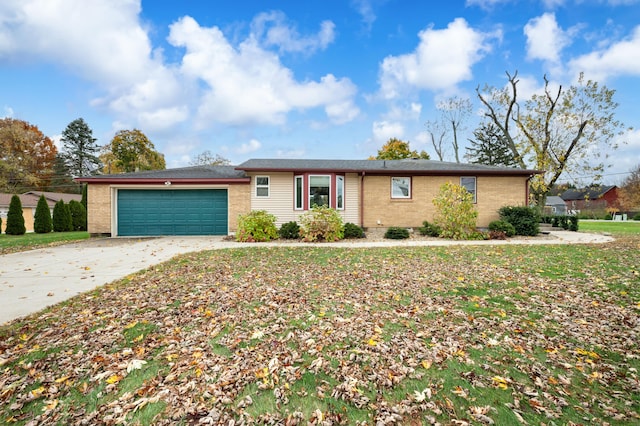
x: 612, y: 227
x: 15, y: 243
x: 276, y: 335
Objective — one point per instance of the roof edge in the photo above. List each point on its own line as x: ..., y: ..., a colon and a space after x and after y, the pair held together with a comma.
x: 164, y: 180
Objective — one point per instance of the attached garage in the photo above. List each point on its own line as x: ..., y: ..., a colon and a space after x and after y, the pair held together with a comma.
x: 153, y: 212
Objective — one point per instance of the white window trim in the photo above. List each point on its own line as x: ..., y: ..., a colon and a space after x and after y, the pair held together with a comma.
x: 268, y: 186
x: 309, y: 189
x: 475, y: 186
x: 401, y: 197
x: 339, y: 196
x: 295, y: 192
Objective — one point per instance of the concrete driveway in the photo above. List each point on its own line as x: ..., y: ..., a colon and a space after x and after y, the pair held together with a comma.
x: 32, y: 280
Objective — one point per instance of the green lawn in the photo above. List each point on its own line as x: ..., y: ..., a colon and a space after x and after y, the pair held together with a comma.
x: 13, y: 243
x: 288, y: 335
x: 630, y: 227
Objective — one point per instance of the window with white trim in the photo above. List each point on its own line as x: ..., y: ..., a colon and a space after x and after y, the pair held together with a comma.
x: 400, y: 187
x: 340, y: 192
x: 262, y: 186
x: 469, y: 183
x: 319, y: 190
x: 299, y: 191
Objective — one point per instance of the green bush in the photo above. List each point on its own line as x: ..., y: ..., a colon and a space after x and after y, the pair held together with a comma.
x: 573, y: 223
x: 290, y: 231
x: 321, y: 223
x: 455, y: 213
x: 256, y: 226
x: 351, y: 230
x: 525, y: 220
x: 397, y: 233
x: 15, y: 219
x: 429, y: 229
x: 502, y: 226
x: 62, y: 217
x: 637, y: 216
x: 608, y: 216
x: 78, y: 216
x: 42, y: 219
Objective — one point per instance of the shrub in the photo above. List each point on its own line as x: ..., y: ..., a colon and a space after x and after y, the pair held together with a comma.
x: 290, y: 231
x: 573, y: 223
x: 61, y: 217
x: 15, y: 219
x: 351, y: 230
x: 321, y: 223
x: 397, y: 233
x: 525, y: 220
x: 637, y: 216
x: 455, y: 213
x: 502, y: 226
x: 42, y: 219
x: 78, y: 216
x: 608, y: 216
x: 429, y: 229
x: 256, y: 226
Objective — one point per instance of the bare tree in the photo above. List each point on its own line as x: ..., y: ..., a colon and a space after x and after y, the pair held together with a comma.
x: 453, y: 114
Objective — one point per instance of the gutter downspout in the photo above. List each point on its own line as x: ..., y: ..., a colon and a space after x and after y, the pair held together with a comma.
x: 362, y: 199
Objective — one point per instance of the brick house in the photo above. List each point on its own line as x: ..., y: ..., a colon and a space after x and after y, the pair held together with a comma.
x: 206, y: 200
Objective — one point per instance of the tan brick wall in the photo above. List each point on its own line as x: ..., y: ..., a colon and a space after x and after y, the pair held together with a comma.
x: 99, y: 209
x: 380, y: 210
x: 239, y: 203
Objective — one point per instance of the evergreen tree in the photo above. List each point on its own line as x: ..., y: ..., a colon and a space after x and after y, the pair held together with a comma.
x: 42, y: 219
x: 78, y: 216
x: 79, y: 148
x: 490, y: 148
x: 61, y: 180
x: 15, y: 219
x: 61, y: 217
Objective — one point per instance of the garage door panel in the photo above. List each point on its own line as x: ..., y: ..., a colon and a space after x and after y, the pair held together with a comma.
x: 172, y: 212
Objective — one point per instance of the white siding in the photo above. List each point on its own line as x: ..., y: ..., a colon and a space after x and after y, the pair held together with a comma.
x: 280, y: 200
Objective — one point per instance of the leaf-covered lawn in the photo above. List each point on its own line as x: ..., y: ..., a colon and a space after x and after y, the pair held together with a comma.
x: 283, y: 335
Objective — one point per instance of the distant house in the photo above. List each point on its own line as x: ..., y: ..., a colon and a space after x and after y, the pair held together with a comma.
x: 555, y: 205
x: 592, y: 198
x: 206, y: 200
x: 29, y: 201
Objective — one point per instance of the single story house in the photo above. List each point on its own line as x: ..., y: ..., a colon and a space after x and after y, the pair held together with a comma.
x: 29, y: 201
x: 206, y: 200
x: 598, y: 197
x: 555, y: 205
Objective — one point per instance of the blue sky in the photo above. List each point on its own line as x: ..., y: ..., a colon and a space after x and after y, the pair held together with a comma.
x: 301, y: 79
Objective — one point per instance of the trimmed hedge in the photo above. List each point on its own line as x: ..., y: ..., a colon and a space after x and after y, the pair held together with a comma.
x: 502, y: 226
x: 351, y: 230
x: 15, y: 219
x: 397, y: 233
x: 525, y: 220
x: 42, y: 220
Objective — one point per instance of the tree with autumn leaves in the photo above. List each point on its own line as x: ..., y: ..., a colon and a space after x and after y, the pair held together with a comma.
x: 395, y: 149
x: 131, y: 151
x: 27, y: 157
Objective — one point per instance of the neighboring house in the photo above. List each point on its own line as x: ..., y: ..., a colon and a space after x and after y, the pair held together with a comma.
x: 592, y: 198
x: 206, y: 200
x: 555, y: 205
x: 29, y: 201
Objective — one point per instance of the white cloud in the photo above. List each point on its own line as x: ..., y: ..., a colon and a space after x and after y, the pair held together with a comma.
x: 251, y: 146
x: 385, y: 130
x: 249, y: 85
x: 545, y: 39
x: 271, y: 29
x: 620, y: 58
x: 406, y: 112
x: 365, y: 9
x: 442, y: 59
x: 8, y: 112
x: 292, y: 153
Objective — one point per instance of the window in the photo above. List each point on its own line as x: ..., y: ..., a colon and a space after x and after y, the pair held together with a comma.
x: 340, y: 192
x: 262, y: 186
x: 469, y: 183
x: 319, y: 190
x: 299, y: 190
x: 400, y: 187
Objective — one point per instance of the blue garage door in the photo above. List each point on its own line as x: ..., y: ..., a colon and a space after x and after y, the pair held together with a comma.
x: 172, y: 212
